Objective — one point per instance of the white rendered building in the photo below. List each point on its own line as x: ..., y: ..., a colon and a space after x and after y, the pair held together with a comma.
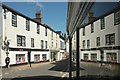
x: 27, y: 38
x: 100, y: 39
x: 62, y: 48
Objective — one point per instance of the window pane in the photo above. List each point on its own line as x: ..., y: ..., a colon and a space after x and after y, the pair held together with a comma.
x: 88, y: 43
x: 27, y: 25
x: 83, y: 31
x: 14, y: 20
x: 98, y: 41
x: 117, y: 18
x: 45, y: 31
x: 92, y: 28
x: 107, y: 39
x: 83, y: 43
x: 21, y: 40
x: 46, y: 44
x: 38, y: 29
x: 18, y: 40
x: 102, y: 23
x: 32, y: 42
x: 112, y: 39
x: 42, y: 44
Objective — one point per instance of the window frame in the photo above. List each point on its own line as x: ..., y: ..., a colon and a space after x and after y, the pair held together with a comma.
x: 32, y: 42
x: 46, y: 43
x: 83, y: 31
x: 110, y: 39
x: 21, y: 40
x: 42, y: 44
x: 102, y: 23
x: 14, y: 20
x: 38, y: 29
x: 83, y: 43
x: 117, y: 18
x: 97, y: 41
x: 45, y: 31
x: 92, y: 27
x: 27, y: 25
x: 88, y: 43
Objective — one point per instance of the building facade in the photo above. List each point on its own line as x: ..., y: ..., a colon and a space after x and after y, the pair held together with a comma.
x: 62, y: 48
x: 92, y: 42
x: 74, y: 46
x: 100, y: 39
x: 58, y: 48
x: 26, y: 39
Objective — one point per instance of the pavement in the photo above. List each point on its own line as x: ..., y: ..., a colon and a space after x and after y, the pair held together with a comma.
x: 21, y: 67
x: 60, y: 71
x: 94, y: 71
x: 107, y: 69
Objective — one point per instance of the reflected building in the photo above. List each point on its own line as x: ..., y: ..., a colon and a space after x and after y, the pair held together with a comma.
x: 99, y: 30
x: 93, y: 32
x: 99, y: 39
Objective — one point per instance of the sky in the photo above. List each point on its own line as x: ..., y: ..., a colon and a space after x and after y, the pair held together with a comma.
x: 53, y: 13
x: 100, y: 8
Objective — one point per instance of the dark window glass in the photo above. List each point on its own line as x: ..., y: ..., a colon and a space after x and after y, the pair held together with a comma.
x: 38, y: 29
x: 83, y: 31
x: 88, y: 43
x: 83, y: 43
x: 14, y: 20
x: 117, y: 18
x: 102, y: 23
x: 21, y: 40
x: 42, y: 44
x: 98, y: 41
x: 32, y: 42
x: 27, y: 25
x: 92, y: 28
x: 45, y: 44
x: 110, y: 39
x: 45, y: 31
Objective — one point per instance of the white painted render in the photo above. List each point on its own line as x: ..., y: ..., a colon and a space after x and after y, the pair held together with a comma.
x: 109, y: 29
x: 11, y: 32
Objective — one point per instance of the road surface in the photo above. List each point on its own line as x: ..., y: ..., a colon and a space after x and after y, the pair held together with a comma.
x: 39, y: 71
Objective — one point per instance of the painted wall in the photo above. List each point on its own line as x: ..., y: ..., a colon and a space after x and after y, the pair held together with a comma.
x: 11, y: 32
x: 109, y: 29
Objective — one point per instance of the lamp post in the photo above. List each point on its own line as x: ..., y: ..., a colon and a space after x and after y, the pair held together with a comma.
x: 29, y: 58
x: 101, y: 55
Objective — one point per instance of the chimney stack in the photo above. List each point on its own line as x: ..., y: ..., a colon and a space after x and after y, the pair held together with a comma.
x: 91, y: 16
x: 38, y: 16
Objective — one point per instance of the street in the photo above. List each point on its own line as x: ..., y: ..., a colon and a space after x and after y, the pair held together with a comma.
x: 43, y: 71
x: 59, y: 71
